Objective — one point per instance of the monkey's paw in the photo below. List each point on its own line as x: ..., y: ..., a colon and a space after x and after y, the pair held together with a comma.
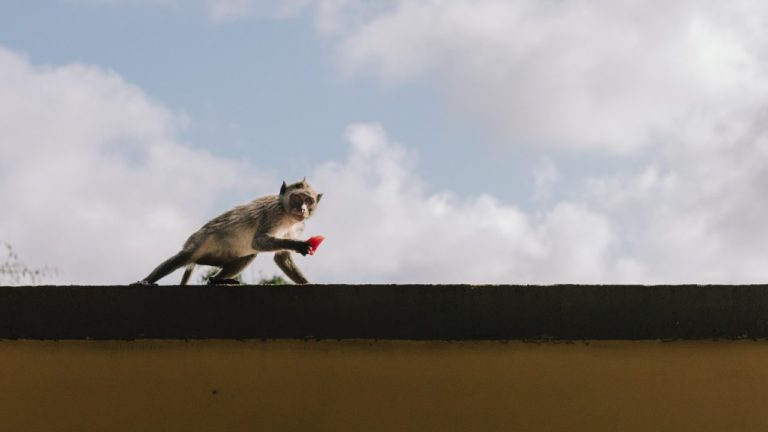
x: 304, y: 248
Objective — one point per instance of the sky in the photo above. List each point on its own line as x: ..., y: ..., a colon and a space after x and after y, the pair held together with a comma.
x: 455, y: 141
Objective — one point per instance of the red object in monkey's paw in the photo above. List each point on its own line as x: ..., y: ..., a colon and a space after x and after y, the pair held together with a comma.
x: 314, y: 243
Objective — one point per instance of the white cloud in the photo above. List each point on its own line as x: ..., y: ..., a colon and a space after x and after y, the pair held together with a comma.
x: 87, y: 157
x: 695, y: 222
x: 94, y: 181
x: 93, y: 178
x: 698, y: 215
x: 682, y: 84
x: 577, y: 74
x: 382, y: 227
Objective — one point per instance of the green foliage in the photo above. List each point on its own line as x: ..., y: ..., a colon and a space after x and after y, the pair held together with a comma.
x: 274, y: 280
x: 211, y: 272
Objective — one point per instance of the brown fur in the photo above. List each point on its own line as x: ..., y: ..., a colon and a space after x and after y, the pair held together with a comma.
x: 233, y: 239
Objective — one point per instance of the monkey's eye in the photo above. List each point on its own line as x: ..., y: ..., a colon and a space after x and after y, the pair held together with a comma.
x: 309, y: 201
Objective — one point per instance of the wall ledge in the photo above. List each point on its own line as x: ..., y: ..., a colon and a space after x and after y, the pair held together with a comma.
x: 395, y: 312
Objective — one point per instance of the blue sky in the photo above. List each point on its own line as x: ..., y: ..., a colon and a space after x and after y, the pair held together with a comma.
x: 246, y: 84
x: 456, y: 141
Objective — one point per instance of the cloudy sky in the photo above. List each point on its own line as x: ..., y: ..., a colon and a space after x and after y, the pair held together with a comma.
x: 483, y: 141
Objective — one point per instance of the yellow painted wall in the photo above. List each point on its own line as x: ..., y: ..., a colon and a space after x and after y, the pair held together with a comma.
x: 383, y: 386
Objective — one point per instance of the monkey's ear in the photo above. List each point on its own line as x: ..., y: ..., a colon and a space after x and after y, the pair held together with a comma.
x: 283, y: 188
x: 319, y: 197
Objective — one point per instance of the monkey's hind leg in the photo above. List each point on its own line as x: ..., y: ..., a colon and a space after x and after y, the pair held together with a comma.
x: 230, y: 270
x: 187, y: 273
x: 167, y: 267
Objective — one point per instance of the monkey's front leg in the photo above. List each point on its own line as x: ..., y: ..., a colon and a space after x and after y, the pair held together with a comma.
x: 271, y: 244
x: 286, y: 264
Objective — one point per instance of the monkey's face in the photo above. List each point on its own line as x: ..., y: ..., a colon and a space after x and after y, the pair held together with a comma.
x: 300, y: 200
x: 302, y: 204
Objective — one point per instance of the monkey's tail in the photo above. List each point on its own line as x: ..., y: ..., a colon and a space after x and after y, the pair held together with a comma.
x: 187, y: 273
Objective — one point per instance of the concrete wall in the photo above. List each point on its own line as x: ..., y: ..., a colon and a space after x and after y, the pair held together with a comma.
x: 217, y: 385
x: 399, y: 312
x: 337, y: 358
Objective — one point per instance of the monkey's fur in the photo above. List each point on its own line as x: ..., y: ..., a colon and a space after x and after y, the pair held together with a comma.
x: 232, y: 240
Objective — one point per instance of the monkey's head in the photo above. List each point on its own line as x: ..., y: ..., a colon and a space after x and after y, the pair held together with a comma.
x: 299, y: 199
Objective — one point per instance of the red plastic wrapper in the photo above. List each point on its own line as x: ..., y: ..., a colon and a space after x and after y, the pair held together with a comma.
x: 314, y: 243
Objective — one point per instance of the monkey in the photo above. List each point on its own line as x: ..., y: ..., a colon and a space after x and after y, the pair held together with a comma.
x: 232, y: 240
